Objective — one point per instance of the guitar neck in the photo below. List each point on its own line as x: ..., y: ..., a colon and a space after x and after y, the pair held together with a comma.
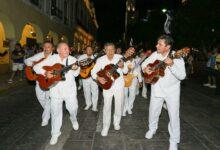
x: 67, y: 68
x: 116, y: 66
x: 171, y: 56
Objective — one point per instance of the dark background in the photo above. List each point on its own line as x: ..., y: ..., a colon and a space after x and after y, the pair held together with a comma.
x: 192, y: 23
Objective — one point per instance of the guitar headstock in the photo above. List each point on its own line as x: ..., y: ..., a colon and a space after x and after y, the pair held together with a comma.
x: 182, y: 52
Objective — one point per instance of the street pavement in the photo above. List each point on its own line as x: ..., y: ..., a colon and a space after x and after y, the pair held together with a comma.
x: 4, y: 85
x: 20, y: 123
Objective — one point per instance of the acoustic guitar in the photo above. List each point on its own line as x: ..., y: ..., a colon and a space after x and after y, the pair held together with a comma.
x: 58, y: 71
x: 109, y: 73
x: 158, y: 67
x: 30, y: 74
x: 87, y: 65
x: 128, y: 78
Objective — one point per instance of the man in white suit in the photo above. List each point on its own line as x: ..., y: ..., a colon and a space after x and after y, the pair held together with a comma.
x: 62, y: 91
x: 42, y: 96
x: 166, y: 89
x: 90, y: 87
x: 117, y: 89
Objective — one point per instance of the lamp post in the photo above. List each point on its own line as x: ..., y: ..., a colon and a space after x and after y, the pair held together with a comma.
x: 130, y: 7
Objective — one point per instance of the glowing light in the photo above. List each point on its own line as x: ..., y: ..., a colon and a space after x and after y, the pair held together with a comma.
x: 164, y: 10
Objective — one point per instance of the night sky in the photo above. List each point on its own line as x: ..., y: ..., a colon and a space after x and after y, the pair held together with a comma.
x: 111, y: 15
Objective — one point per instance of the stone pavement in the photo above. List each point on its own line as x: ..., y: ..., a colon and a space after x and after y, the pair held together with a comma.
x: 20, y: 118
x: 4, y: 85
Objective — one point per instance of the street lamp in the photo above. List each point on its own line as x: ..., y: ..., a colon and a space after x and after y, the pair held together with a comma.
x: 164, y: 10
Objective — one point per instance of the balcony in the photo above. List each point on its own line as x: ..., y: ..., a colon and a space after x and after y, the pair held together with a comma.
x: 56, y: 12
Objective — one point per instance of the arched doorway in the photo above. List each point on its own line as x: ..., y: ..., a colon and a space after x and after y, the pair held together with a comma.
x: 4, y: 54
x: 28, y: 36
x: 8, y: 27
x: 7, y: 42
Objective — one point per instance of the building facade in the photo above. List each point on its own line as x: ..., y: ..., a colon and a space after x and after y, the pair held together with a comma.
x: 33, y: 21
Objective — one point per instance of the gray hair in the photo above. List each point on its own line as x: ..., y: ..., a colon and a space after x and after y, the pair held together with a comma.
x: 109, y: 44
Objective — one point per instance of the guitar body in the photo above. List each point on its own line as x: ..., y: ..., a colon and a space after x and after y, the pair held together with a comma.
x: 158, y: 67
x: 46, y: 83
x: 128, y: 79
x: 155, y: 75
x: 85, y: 71
x: 104, y: 73
x: 30, y: 74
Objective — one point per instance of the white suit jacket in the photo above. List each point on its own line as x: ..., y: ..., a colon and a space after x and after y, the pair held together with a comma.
x: 29, y: 61
x: 170, y: 83
x: 63, y: 89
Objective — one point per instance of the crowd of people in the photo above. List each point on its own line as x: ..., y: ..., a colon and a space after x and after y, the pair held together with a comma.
x: 165, y: 91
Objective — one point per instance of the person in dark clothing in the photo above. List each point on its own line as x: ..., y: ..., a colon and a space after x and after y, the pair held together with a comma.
x: 17, y: 62
x: 217, y: 91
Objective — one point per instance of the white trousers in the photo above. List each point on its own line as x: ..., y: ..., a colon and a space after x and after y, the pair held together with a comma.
x: 173, y: 104
x: 57, y: 112
x: 118, y: 94
x: 44, y: 100
x: 130, y: 94
x: 144, y: 89
x: 91, y: 92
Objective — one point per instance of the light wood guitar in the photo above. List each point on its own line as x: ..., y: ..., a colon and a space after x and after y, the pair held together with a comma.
x: 85, y: 71
x: 128, y: 78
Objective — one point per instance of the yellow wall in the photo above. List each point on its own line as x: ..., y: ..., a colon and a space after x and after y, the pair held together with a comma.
x: 2, y: 37
x: 4, y: 59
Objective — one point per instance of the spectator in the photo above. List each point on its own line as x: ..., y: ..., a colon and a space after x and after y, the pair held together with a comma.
x: 17, y: 62
x: 210, y: 70
x: 217, y: 92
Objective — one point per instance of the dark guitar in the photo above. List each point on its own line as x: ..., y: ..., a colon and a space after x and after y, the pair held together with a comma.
x: 30, y: 74
x: 109, y: 73
x: 158, y: 67
x: 87, y: 65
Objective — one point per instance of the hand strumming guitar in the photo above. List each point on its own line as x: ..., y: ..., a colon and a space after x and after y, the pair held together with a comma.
x: 48, y: 74
x: 147, y: 70
x: 101, y: 80
x: 74, y: 67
